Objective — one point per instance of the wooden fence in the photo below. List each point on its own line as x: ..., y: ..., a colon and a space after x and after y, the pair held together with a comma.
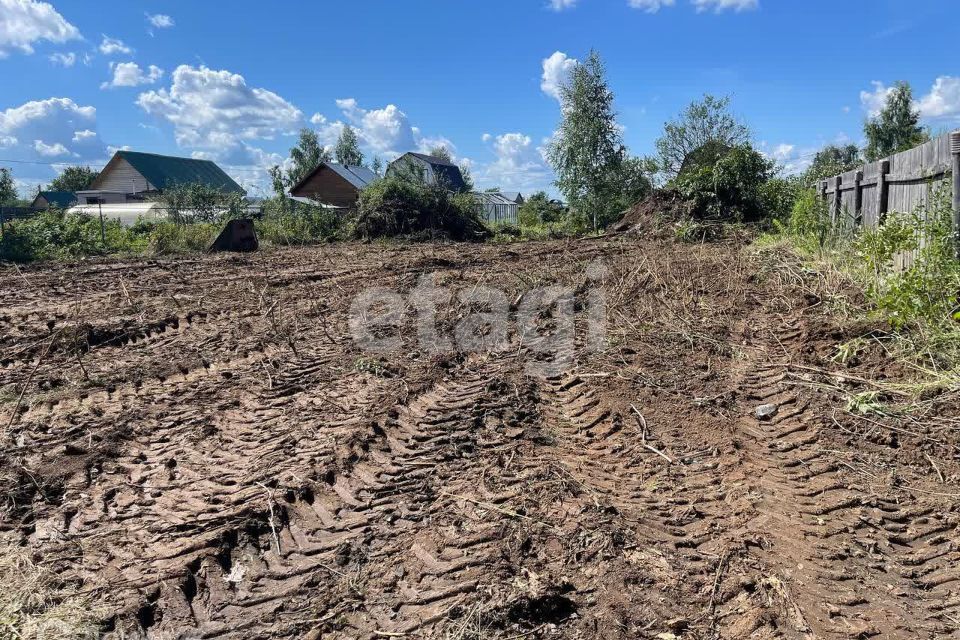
x: 902, y: 182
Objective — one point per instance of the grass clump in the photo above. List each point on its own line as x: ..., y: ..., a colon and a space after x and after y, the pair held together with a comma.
x: 35, y: 603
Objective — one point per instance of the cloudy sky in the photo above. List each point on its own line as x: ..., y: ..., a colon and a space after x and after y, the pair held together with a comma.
x: 82, y: 78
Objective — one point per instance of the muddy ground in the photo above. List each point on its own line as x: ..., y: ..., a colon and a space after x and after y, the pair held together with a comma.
x: 203, y: 451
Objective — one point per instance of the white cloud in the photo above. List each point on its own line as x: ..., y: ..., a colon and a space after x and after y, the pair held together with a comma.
x: 873, y: 101
x: 50, y: 150
x: 725, y: 5
x: 110, y: 46
x: 518, y: 165
x: 53, y: 127
x: 129, y: 74
x: 650, y: 6
x: 560, y: 5
x: 556, y: 70
x: 788, y: 157
x: 385, y: 131
x: 943, y: 100
x: 486, y: 137
x: 210, y: 109
x: 63, y: 59
x: 24, y: 22
x: 160, y: 21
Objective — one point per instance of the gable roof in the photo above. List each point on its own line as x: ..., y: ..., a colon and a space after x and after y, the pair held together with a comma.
x: 167, y: 171
x: 62, y: 199
x: 359, y: 177
x: 443, y: 169
x: 513, y: 196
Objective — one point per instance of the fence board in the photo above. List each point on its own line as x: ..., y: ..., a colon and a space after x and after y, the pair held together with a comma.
x: 901, y: 183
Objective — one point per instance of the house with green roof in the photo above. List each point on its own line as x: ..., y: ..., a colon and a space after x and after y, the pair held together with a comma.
x: 132, y: 176
x: 57, y: 199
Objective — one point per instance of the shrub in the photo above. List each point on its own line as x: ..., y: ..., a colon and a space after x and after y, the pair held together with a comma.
x: 540, y: 209
x: 295, y: 223
x: 396, y: 207
x: 927, y: 290
x: 731, y: 189
x: 168, y: 237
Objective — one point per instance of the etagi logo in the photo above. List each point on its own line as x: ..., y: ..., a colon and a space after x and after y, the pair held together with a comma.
x: 541, y: 320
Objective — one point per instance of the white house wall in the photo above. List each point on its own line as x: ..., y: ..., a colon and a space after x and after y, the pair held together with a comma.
x: 124, y: 178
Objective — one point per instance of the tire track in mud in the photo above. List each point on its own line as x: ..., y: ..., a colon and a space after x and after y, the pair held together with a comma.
x: 842, y: 560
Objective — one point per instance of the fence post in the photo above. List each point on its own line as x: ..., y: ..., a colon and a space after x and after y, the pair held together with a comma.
x: 955, y: 153
x: 837, y: 195
x: 882, y: 191
x: 858, y: 199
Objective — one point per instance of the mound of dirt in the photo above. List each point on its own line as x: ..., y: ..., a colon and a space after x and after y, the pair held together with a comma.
x: 652, y: 215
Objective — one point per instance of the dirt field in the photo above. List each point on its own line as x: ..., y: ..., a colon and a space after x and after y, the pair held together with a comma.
x: 203, y: 450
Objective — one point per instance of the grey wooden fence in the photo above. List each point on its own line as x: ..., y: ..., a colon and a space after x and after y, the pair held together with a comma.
x: 902, y: 182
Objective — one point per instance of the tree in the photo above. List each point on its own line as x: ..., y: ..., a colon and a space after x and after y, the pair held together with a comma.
x: 587, y: 153
x: 833, y: 160
x: 635, y: 181
x: 540, y: 209
x: 74, y: 179
x: 897, y: 127
x: 705, y: 125
x: 377, y: 166
x: 8, y: 190
x: 441, y: 151
x: 306, y: 156
x: 467, y: 178
x: 732, y: 189
x: 347, y: 151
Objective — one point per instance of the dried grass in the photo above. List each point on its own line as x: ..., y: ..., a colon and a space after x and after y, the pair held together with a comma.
x: 36, y: 604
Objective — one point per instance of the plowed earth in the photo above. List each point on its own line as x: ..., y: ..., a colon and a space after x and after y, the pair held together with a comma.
x: 202, y: 448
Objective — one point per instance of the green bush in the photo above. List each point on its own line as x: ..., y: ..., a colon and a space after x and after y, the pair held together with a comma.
x: 54, y: 234
x: 925, y: 292
x: 397, y: 207
x: 730, y: 190
x: 169, y: 238
x: 540, y: 209
x: 287, y: 223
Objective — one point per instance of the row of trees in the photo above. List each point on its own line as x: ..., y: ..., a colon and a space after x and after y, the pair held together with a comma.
x: 894, y: 129
x: 705, y: 154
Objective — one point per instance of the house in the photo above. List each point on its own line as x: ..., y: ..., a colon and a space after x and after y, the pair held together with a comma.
x: 58, y: 199
x: 131, y: 176
x: 497, y: 208
x: 514, y: 196
x: 432, y: 170
x: 334, y: 185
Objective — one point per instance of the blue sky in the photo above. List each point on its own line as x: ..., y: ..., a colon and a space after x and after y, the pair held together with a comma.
x: 235, y: 82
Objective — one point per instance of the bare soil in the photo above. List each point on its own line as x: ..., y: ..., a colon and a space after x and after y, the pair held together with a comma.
x: 199, y: 445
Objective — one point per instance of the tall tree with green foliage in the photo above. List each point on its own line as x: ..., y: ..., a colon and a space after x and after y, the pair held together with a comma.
x: 897, y: 127
x: 833, y: 160
x: 74, y: 179
x: 347, y: 151
x: 306, y: 156
x: 8, y: 190
x: 703, y: 133
x: 587, y: 153
x: 377, y: 166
